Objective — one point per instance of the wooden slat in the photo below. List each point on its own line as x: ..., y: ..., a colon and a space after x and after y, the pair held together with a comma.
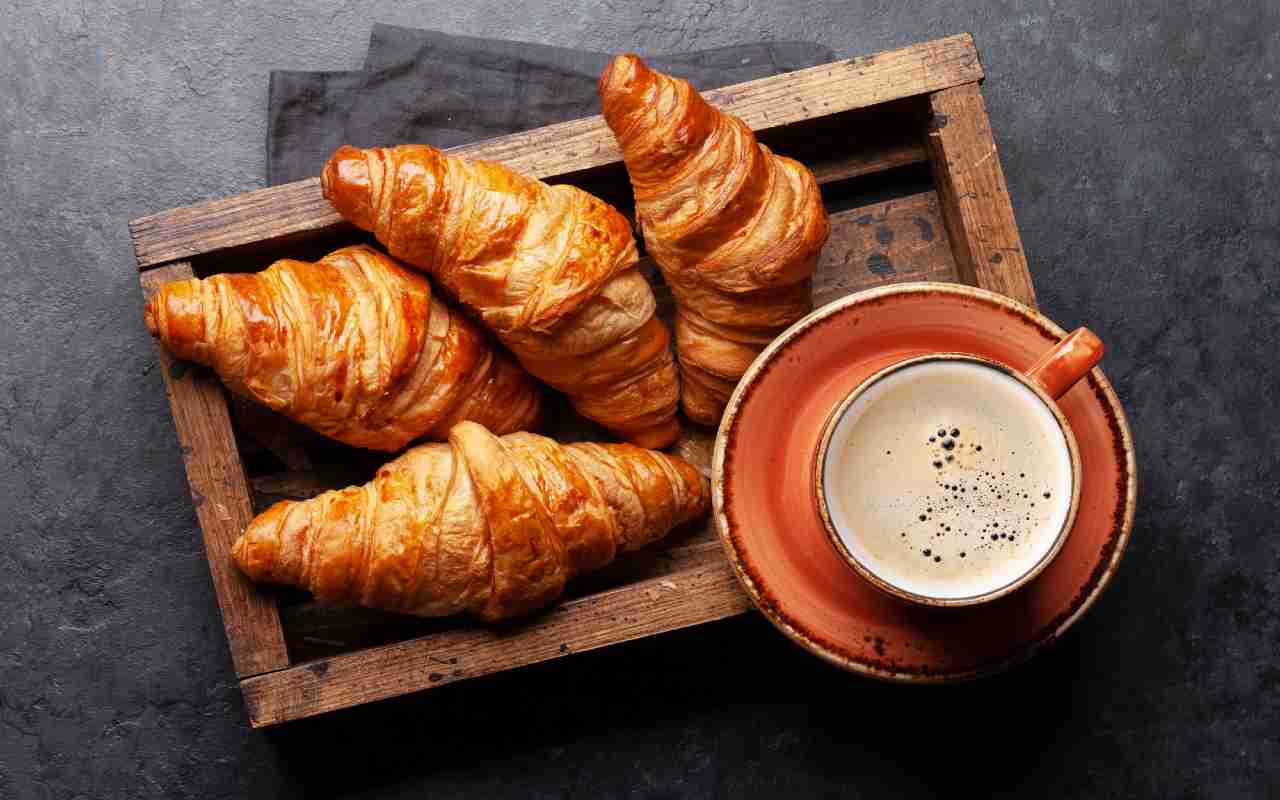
x: 893, y: 241
x: 299, y: 485
x: 763, y: 104
x: 852, y: 143
x: 190, y: 231
x: 574, y: 146
x: 314, y: 630
x: 878, y: 158
x: 221, y: 497
x: 975, y: 198
x: 303, y: 485
x: 698, y: 594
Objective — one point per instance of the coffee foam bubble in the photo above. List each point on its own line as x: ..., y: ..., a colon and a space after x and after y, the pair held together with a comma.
x: 948, y: 479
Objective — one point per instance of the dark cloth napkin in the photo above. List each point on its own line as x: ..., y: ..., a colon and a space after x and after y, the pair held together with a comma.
x: 428, y: 87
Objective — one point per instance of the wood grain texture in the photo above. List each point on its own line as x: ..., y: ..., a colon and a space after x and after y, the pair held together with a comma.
x: 700, y: 593
x: 299, y: 484
x: 559, y: 150
x: 315, y: 630
x: 876, y: 157
x: 762, y: 104
x: 189, y: 231
x: 975, y: 198
x: 221, y: 497
x: 893, y: 241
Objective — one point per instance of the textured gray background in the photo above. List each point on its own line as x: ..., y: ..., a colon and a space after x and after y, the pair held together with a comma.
x: 1140, y: 143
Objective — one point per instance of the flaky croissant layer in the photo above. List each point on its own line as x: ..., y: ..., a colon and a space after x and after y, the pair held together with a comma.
x: 354, y: 346
x: 550, y: 269
x: 735, y: 229
x: 490, y: 525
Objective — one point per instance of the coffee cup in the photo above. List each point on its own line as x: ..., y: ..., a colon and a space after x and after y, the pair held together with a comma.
x: 948, y: 479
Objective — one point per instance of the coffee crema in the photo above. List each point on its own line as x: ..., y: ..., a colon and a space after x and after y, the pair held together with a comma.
x: 948, y: 479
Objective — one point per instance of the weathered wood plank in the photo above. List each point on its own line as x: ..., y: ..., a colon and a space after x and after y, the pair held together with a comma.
x: 315, y: 630
x: 763, y: 104
x: 559, y: 150
x: 879, y: 157
x: 221, y: 497
x: 190, y: 231
x: 299, y: 485
x: 975, y: 199
x: 698, y: 594
x: 893, y: 241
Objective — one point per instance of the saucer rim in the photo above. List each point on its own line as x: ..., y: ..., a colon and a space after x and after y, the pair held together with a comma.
x: 1096, y: 583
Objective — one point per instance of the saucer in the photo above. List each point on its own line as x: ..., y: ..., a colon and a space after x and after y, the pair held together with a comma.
x: 763, y: 489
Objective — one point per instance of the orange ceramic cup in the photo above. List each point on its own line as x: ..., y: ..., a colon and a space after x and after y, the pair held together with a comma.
x: 763, y: 488
x: 1050, y: 377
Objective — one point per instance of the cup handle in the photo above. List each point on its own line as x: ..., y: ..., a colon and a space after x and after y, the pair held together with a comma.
x: 1067, y: 362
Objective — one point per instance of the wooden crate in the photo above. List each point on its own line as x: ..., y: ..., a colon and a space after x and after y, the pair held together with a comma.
x: 902, y: 146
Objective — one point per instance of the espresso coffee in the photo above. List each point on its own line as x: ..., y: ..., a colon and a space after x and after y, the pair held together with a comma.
x: 948, y: 479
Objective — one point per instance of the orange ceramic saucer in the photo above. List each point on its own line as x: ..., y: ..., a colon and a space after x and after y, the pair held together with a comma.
x: 763, y: 489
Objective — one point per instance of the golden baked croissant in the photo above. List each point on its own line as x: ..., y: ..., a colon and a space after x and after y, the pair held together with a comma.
x: 486, y: 524
x: 735, y: 229
x: 354, y: 346
x: 551, y: 269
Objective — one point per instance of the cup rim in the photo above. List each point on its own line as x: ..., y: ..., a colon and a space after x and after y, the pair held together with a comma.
x: 887, y: 587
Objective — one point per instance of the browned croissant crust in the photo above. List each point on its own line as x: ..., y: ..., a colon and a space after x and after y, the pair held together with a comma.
x: 354, y: 346
x: 551, y: 269
x: 485, y: 524
x: 735, y: 229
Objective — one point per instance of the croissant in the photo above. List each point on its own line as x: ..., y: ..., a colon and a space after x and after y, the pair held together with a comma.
x: 551, y: 269
x: 489, y: 525
x: 354, y: 346
x: 735, y: 229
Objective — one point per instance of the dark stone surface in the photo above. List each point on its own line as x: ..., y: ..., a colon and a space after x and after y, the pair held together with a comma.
x: 1140, y: 143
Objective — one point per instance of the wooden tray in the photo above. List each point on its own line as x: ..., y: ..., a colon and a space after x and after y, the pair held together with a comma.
x: 900, y: 142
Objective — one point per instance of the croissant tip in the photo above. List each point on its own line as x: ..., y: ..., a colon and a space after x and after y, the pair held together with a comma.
x: 614, y: 71
x: 347, y: 164
x: 658, y: 437
x: 150, y: 314
x: 329, y: 174
x: 345, y: 183
x: 467, y: 426
x: 256, y: 549
x: 238, y: 554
